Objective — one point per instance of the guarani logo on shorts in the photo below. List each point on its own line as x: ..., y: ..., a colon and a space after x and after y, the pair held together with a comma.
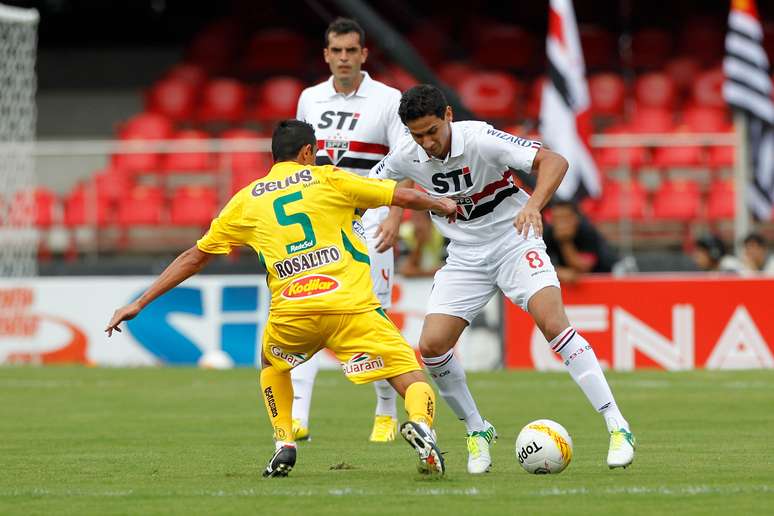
x: 362, y: 363
x: 310, y: 286
x: 291, y: 358
x: 307, y: 261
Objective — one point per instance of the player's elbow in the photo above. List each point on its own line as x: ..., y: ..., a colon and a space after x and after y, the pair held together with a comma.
x: 196, y: 258
x: 551, y: 161
x: 404, y: 197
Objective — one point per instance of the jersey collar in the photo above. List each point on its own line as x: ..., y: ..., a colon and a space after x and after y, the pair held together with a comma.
x: 364, y: 90
x: 457, y: 146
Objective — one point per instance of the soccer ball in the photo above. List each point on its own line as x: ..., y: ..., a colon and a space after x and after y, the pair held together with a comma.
x: 215, y: 359
x: 543, y: 447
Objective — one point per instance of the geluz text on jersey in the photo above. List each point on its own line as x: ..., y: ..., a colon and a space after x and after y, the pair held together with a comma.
x: 270, y: 186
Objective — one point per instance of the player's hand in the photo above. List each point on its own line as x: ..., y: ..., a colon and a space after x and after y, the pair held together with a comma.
x: 124, y: 313
x: 448, y: 208
x: 526, y: 218
x: 387, y: 233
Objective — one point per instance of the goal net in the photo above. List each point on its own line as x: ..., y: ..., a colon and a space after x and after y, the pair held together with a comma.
x: 18, y: 237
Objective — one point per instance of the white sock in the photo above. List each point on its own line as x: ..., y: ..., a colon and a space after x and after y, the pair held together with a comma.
x: 581, y: 362
x: 449, y: 376
x: 385, y: 399
x: 280, y: 444
x: 303, y: 382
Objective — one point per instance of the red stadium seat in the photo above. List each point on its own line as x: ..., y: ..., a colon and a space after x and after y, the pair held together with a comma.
x: 243, y: 177
x: 214, y: 47
x: 532, y: 110
x: 141, y: 206
x: 398, y: 78
x: 112, y: 184
x: 173, y: 98
x: 33, y: 207
x: 702, y: 119
x: 677, y: 200
x: 607, y: 92
x: 721, y: 157
x: 505, y: 47
x: 622, y: 201
x: 223, y: 100
x: 143, y: 126
x: 651, y: 48
x: 453, y: 73
x: 192, y: 74
x: 614, y: 157
x: 683, y: 72
x: 196, y: 160
x: 654, y: 90
x: 720, y: 201
x: 193, y: 206
x: 708, y: 89
x: 253, y: 161
x: 651, y: 120
x: 275, y: 50
x: 278, y: 98
x: 85, y: 207
x: 683, y: 156
x: 599, y: 48
x: 491, y: 95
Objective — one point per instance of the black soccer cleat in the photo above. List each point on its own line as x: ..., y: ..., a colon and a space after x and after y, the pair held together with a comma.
x: 421, y: 438
x: 281, y: 462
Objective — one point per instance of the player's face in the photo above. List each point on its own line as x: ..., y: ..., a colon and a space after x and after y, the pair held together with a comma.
x: 433, y: 133
x: 345, y: 56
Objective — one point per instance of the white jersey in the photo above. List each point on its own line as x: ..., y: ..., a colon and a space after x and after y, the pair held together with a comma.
x: 476, y: 173
x: 353, y: 131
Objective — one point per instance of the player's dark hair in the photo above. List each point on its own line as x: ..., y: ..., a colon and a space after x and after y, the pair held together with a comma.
x: 563, y: 203
x: 289, y: 137
x: 422, y: 100
x: 756, y: 238
x: 713, y: 245
x: 344, y: 26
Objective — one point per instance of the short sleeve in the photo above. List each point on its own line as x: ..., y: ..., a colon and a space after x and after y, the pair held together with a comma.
x: 301, y: 108
x: 363, y: 192
x: 227, y: 230
x: 507, y: 150
x: 387, y: 169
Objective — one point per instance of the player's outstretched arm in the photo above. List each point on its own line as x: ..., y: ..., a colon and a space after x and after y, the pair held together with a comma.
x: 415, y: 200
x: 187, y: 264
x: 550, y: 168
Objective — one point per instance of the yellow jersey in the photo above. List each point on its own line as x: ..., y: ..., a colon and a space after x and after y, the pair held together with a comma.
x: 302, y: 222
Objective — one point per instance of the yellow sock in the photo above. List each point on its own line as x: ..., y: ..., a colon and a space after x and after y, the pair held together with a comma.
x: 277, y: 392
x: 420, y: 403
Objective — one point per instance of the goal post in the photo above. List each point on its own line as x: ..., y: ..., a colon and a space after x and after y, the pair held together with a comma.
x: 18, y: 116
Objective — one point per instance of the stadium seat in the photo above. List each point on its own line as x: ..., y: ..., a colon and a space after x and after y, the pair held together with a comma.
x: 188, y: 72
x: 654, y: 90
x: 622, y: 201
x: 720, y: 200
x: 651, y: 48
x: 607, y: 92
x: 85, y: 207
x: 708, y: 89
x: 683, y: 156
x: 141, y: 206
x: 278, y: 98
x: 142, y: 127
x: 196, y: 160
x: 651, y: 120
x: 397, y: 77
x: 173, y: 98
x: 243, y: 177
x: 253, y: 161
x: 721, y: 157
x: 505, y: 47
x: 275, y: 51
x: 112, y: 184
x: 452, y: 73
x: 615, y: 157
x: 223, y: 100
x: 193, y: 206
x: 703, y: 39
x: 491, y: 95
x: 701, y: 119
x: 599, y: 48
x: 677, y: 200
x: 35, y: 206
x: 532, y: 109
x: 683, y: 71
x: 215, y: 47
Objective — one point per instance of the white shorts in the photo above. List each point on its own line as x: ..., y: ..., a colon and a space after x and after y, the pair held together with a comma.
x: 473, y: 274
x: 382, y: 264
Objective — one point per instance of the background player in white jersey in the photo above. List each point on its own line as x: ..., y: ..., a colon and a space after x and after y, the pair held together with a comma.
x: 356, y: 122
x: 496, y: 244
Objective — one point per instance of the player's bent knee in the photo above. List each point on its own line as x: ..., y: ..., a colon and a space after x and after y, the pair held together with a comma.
x: 401, y: 382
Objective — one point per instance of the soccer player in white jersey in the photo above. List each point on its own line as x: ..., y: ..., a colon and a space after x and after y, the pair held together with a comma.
x: 356, y: 122
x: 495, y: 244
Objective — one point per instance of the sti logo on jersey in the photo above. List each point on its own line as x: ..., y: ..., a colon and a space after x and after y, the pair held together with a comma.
x: 443, y: 181
x: 339, y: 119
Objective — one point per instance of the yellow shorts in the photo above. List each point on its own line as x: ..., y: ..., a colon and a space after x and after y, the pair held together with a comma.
x: 368, y: 344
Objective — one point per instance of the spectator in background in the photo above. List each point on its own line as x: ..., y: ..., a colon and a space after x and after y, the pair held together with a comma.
x: 424, y: 245
x: 756, y: 259
x: 574, y: 245
x: 710, y: 255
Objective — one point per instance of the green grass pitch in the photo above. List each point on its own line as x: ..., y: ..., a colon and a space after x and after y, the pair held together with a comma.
x: 187, y: 441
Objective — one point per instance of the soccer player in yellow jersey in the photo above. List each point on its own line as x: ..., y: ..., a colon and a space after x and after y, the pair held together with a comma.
x: 303, y: 222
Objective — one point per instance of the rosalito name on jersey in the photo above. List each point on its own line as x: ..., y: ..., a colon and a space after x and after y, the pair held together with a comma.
x: 307, y: 261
